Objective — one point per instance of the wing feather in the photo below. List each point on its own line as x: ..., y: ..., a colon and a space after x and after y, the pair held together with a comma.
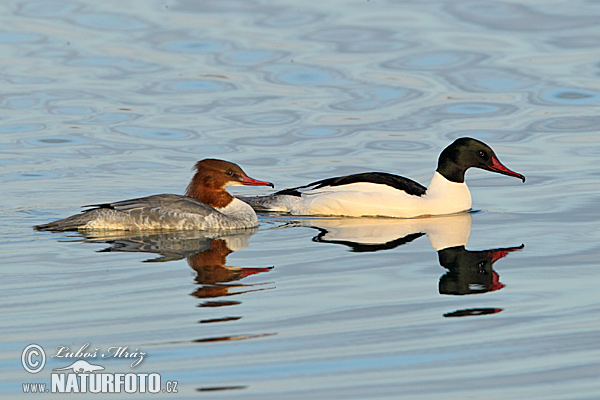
x: 166, y: 203
x: 382, y: 178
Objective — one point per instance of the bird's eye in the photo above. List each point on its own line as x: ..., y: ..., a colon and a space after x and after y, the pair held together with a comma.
x: 482, y: 154
x: 481, y: 268
x: 229, y: 172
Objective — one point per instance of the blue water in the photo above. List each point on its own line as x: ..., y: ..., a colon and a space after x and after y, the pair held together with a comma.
x: 102, y: 102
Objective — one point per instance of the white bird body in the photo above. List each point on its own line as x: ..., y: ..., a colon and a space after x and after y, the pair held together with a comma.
x: 372, y: 199
x: 383, y: 194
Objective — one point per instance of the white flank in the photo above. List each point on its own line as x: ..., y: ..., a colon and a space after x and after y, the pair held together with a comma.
x: 370, y: 199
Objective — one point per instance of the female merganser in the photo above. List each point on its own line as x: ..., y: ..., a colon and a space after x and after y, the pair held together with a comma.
x: 205, y: 206
x: 382, y: 194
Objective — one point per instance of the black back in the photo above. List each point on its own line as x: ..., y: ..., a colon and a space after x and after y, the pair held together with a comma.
x: 398, y: 182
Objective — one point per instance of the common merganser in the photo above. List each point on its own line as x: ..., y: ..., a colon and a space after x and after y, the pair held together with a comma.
x: 383, y: 194
x: 205, y: 206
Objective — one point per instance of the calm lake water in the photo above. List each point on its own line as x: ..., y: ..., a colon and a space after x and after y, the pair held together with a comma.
x: 102, y: 102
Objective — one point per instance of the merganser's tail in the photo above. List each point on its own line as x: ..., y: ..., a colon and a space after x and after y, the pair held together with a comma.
x: 72, y: 223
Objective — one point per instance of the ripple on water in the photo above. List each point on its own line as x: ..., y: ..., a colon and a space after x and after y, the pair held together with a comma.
x: 121, y: 64
x: 187, y: 109
x: 109, y: 21
x: 355, y: 39
x: 41, y: 99
x: 110, y: 118
x: 72, y: 110
x: 52, y: 53
x: 99, y: 150
x: 124, y: 166
x: 566, y: 96
x: 243, y: 101
x: 372, y: 97
x: 45, y: 9
x: 250, y: 58
x: 193, y: 46
x: 155, y: 133
x: 587, y: 151
x: 414, y: 122
x: 20, y: 102
x: 566, y: 124
x: 286, y: 18
x: 319, y: 132
x: 275, y: 118
x: 209, y: 149
x: 214, y: 6
x: 515, y: 17
x: 19, y: 37
x: 427, y: 117
x: 469, y: 110
x: 284, y: 117
x: 188, y: 86
x: 228, y: 102
x: 337, y: 152
x: 270, y: 140
x: 302, y: 75
x: 27, y: 80
x: 41, y: 175
x: 73, y: 13
x: 56, y: 141
x: 579, y: 42
x: 436, y: 60
x: 490, y: 135
x: 490, y: 80
x: 399, y: 144
x: 18, y: 128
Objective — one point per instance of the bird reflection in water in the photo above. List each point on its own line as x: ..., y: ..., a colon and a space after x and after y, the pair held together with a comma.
x: 468, y: 272
x: 214, y: 276
x: 471, y: 272
x: 206, y: 255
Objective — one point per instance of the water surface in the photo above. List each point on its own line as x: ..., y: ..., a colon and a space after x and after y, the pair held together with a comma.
x: 101, y: 103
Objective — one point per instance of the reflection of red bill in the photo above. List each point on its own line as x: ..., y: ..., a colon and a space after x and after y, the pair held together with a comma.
x: 473, y: 312
x: 236, y: 337
x: 495, y: 256
x: 500, y: 253
x: 495, y: 285
x: 251, y: 271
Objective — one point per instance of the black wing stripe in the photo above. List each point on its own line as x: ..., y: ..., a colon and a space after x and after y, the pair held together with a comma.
x: 398, y: 182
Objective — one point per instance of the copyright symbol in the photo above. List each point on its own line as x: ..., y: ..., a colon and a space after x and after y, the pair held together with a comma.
x: 29, y: 358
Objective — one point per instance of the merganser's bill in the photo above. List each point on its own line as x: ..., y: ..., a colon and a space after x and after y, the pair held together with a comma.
x: 383, y: 194
x: 205, y: 206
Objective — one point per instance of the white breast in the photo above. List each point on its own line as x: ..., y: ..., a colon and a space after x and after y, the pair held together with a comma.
x: 446, y: 197
x: 236, y: 214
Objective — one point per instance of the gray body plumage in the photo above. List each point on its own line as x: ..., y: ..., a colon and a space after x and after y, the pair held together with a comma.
x: 158, y: 212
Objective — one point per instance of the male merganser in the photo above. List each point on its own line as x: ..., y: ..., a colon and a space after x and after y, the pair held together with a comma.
x: 205, y: 206
x: 383, y: 194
